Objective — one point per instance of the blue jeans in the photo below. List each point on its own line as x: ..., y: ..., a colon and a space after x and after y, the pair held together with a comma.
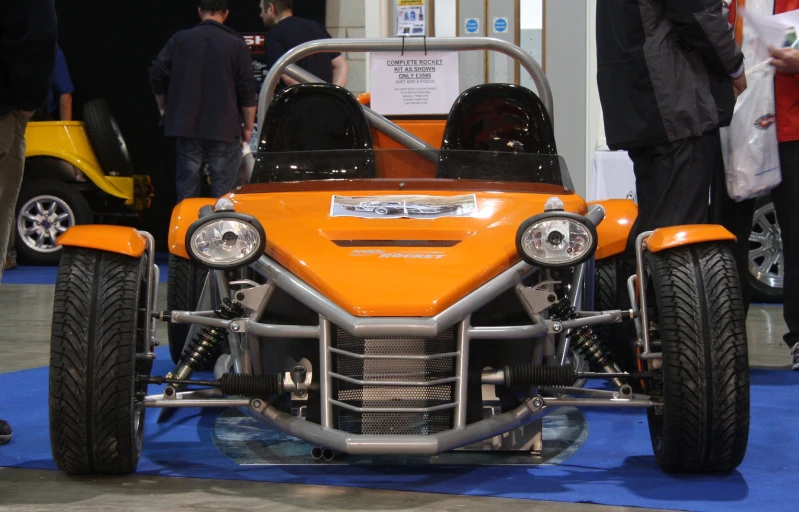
x: 224, y: 160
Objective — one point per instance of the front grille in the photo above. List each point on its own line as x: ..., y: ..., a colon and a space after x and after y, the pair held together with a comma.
x: 396, y: 243
x: 390, y: 363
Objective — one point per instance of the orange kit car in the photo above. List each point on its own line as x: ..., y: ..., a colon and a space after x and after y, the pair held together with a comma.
x: 381, y: 280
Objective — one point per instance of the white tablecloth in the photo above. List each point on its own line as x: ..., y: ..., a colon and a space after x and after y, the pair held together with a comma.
x: 612, y: 176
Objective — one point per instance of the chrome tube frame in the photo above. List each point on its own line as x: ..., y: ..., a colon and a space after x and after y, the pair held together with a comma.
x: 379, y: 122
x: 153, y: 277
x: 406, y: 44
x: 640, y: 247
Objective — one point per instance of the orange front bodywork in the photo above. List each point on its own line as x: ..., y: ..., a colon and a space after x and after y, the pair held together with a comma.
x: 677, y: 236
x: 620, y: 215
x: 117, y: 239
x: 183, y: 216
x: 385, y: 267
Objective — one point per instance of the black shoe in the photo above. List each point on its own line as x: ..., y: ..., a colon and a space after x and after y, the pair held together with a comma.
x: 5, y: 432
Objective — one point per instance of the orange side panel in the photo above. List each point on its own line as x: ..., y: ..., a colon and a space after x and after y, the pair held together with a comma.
x: 394, y: 267
x: 677, y: 236
x: 183, y: 216
x: 620, y: 214
x: 117, y: 239
x: 365, y: 98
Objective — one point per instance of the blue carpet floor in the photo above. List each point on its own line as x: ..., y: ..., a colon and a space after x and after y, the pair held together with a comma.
x: 614, y: 467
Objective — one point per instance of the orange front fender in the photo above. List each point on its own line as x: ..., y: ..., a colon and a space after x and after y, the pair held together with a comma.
x: 620, y: 214
x: 183, y: 215
x: 116, y: 239
x: 678, y: 236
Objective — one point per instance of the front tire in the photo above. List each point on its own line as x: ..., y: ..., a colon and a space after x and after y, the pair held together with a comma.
x: 703, y: 425
x: 96, y: 417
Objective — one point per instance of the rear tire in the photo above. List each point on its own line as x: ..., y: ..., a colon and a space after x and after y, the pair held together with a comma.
x: 96, y: 419
x: 619, y: 338
x: 703, y: 425
x: 184, y: 286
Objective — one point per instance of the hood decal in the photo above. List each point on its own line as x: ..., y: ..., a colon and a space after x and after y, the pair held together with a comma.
x: 399, y: 207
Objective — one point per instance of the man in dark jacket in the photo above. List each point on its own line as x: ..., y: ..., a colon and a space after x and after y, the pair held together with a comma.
x: 205, y: 89
x: 669, y: 72
x: 28, y: 35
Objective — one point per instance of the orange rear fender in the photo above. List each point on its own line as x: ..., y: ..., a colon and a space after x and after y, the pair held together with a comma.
x: 620, y: 214
x: 678, y: 236
x: 116, y: 239
x: 183, y: 215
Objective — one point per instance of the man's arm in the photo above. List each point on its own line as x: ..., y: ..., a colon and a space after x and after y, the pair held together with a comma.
x: 786, y: 60
x: 65, y: 107
x: 702, y: 27
x: 159, y: 73
x: 341, y: 71
x: 30, y: 32
x: 246, y: 91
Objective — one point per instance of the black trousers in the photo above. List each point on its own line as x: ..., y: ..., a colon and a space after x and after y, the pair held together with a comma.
x: 683, y: 182
x: 788, y: 219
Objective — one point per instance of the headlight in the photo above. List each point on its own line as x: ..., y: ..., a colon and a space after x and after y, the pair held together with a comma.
x: 556, y: 239
x: 225, y: 240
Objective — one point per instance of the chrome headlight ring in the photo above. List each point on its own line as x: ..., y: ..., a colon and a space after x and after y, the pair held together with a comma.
x: 556, y: 240
x: 225, y: 240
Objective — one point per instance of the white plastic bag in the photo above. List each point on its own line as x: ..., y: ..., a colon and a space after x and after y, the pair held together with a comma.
x: 750, y: 143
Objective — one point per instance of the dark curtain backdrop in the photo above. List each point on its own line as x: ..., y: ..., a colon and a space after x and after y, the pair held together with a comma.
x: 109, y: 47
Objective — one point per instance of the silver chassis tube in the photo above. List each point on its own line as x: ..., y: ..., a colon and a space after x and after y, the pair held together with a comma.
x: 153, y: 276
x: 640, y: 247
x: 532, y: 410
x: 382, y: 124
x: 405, y: 44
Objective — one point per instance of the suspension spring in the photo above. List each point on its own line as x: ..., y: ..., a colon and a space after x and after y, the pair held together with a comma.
x: 206, y: 347
x: 585, y: 341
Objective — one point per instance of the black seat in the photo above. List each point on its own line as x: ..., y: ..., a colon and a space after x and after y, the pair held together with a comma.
x: 500, y: 117
x: 495, y: 118
x: 315, y: 117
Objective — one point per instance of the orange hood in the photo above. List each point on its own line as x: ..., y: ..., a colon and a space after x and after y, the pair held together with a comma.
x: 381, y: 267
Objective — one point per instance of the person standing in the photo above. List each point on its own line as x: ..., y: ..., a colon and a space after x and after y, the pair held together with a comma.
x: 204, y: 86
x: 668, y: 76
x: 28, y: 35
x: 287, y: 31
x: 786, y: 62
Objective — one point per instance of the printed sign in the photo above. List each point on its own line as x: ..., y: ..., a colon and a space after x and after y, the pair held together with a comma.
x: 472, y: 25
x: 410, y: 18
x: 256, y: 43
x: 500, y: 25
x: 397, y: 207
x: 414, y: 83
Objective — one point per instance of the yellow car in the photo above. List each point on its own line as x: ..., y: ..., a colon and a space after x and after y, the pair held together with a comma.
x: 75, y: 173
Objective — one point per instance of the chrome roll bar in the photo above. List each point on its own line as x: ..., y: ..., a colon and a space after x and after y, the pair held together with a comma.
x: 406, y: 44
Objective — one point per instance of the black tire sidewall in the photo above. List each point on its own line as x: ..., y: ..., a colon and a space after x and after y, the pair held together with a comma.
x: 105, y: 140
x: 72, y: 197
x: 184, y: 287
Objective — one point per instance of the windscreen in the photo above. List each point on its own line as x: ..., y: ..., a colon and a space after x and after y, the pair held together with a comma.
x: 473, y: 166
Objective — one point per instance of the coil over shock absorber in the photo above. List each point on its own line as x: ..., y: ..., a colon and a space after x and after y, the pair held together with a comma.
x: 207, y: 345
x: 586, y: 342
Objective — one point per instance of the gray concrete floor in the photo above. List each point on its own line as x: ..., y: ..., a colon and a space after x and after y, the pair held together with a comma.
x: 25, y: 313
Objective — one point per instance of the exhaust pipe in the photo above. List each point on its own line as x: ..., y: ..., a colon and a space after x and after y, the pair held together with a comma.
x: 316, y: 452
x: 328, y: 454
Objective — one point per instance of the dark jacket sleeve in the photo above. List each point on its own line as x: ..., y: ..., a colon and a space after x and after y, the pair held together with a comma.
x: 30, y: 33
x: 246, y: 88
x: 161, y: 68
x: 703, y: 28
x: 275, y: 48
